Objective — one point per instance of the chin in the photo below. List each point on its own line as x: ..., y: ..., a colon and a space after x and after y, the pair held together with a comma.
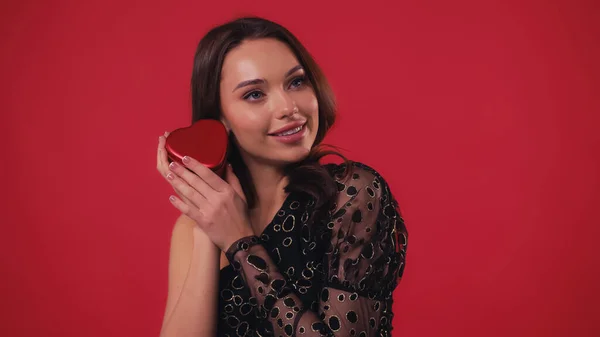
x: 291, y: 155
x: 299, y: 154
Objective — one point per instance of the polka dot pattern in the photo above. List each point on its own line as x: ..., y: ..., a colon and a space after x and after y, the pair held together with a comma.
x: 319, y: 277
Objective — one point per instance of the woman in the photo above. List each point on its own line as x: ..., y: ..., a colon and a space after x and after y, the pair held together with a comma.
x: 282, y: 245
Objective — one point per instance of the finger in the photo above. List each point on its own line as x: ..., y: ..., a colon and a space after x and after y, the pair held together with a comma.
x: 162, y: 162
x: 206, y: 174
x: 184, y: 198
x: 186, y: 191
x: 159, y: 156
x: 185, y: 208
x: 193, y: 180
x: 163, y: 157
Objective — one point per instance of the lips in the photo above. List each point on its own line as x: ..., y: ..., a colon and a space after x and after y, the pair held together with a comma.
x: 288, y: 127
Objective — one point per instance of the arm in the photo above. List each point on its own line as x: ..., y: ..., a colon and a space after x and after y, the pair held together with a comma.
x: 191, y: 308
x: 363, y: 264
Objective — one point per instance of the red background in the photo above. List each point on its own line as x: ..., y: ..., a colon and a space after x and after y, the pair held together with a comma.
x: 483, y: 116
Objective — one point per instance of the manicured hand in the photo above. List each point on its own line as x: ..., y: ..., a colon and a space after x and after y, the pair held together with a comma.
x: 218, y: 206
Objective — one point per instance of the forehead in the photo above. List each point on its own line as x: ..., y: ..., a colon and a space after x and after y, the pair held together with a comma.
x: 263, y: 58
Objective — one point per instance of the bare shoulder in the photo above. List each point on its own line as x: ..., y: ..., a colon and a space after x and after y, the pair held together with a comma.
x: 186, y: 237
x: 182, y: 238
x: 184, y: 224
x: 189, y: 247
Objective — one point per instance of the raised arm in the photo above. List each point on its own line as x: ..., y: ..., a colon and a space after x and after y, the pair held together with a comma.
x: 191, y: 309
x: 364, y: 262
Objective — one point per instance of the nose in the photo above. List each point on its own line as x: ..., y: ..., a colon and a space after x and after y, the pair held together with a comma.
x: 285, y: 106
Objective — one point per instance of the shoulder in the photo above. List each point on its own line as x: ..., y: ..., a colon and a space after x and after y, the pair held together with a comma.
x: 356, y: 170
x: 184, y: 225
x: 364, y: 197
x: 358, y: 178
x: 367, y: 231
x: 186, y: 233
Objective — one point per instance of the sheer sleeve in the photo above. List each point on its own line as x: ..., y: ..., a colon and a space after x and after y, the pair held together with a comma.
x: 364, y: 262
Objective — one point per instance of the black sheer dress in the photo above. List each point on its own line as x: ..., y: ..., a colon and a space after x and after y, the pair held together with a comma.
x: 319, y: 277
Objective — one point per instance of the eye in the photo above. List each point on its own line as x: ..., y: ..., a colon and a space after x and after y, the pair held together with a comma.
x: 253, y: 95
x: 298, y: 81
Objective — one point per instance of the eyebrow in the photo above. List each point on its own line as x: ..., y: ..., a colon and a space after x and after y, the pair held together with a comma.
x: 260, y: 80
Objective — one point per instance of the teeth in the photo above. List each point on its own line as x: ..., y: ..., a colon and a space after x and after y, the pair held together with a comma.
x: 290, y: 132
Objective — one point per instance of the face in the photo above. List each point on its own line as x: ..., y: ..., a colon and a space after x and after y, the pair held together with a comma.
x: 267, y: 102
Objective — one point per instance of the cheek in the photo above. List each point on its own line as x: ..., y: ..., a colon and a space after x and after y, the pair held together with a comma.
x: 307, y: 103
x: 246, y: 121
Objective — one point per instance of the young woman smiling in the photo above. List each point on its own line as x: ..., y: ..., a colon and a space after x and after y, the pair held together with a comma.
x: 283, y: 245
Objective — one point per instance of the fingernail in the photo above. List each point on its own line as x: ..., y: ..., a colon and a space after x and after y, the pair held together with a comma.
x: 166, y: 133
x: 186, y: 160
x: 172, y: 198
x: 173, y: 166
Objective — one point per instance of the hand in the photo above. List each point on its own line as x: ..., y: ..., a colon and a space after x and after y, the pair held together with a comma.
x: 217, y: 205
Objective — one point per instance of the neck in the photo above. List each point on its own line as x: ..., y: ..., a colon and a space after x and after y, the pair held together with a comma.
x: 269, y: 183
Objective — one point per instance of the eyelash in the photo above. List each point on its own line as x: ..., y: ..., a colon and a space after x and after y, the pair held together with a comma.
x: 249, y: 94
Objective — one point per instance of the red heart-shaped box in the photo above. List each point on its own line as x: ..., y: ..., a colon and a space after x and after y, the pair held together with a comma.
x: 205, y: 140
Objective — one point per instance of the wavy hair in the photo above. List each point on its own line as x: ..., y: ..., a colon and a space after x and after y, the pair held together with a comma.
x: 307, y: 175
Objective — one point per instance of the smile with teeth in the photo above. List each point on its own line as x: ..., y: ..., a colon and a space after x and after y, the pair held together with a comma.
x: 290, y: 132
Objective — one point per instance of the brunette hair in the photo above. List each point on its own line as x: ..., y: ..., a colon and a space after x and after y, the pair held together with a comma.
x: 307, y: 175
